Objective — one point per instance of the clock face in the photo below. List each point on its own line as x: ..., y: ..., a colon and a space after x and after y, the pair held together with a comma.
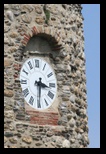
x: 38, y: 82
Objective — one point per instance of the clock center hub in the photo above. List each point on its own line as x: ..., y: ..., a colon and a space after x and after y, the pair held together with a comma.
x: 35, y: 78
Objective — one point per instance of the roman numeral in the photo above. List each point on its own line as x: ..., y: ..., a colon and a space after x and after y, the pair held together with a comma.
x: 30, y: 65
x: 50, y: 94
x: 49, y: 75
x: 37, y: 63
x: 52, y: 85
x: 46, y: 102
x: 44, y: 67
x: 25, y: 92
x: 23, y: 81
x: 31, y: 100
x: 25, y: 72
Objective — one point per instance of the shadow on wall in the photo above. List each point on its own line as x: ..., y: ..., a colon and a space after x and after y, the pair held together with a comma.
x: 38, y: 43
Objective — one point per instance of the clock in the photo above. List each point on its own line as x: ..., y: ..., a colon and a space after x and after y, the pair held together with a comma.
x: 38, y: 83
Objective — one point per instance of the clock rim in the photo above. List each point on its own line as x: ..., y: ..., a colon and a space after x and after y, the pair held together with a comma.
x: 55, y: 80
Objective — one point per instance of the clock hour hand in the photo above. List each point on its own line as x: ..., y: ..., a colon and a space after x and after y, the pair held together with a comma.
x: 39, y: 83
x: 44, y: 85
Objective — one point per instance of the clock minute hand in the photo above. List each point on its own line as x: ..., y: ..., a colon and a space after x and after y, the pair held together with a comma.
x: 39, y: 93
x: 38, y: 96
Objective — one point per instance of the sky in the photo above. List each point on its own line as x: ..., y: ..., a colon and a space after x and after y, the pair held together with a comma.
x: 91, y: 14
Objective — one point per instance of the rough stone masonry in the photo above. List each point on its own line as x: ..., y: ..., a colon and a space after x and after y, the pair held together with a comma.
x: 59, y: 33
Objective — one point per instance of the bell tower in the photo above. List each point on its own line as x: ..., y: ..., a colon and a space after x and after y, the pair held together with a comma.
x: 44, y: 63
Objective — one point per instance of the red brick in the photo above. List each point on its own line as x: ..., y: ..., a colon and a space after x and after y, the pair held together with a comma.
x: 27, y: 36
x: 35, y: 30
x: 22, y: 34
x: 26, y: 40
x: 48, y: 118
x: 23, y: 42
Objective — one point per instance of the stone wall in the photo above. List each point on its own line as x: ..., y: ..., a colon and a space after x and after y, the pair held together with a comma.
x: 59, y: 39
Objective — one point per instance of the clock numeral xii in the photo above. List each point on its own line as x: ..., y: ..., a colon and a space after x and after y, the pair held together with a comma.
x: 37, y: 63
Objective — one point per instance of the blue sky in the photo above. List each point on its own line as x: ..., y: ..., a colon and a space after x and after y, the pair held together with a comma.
x: 91, y: 14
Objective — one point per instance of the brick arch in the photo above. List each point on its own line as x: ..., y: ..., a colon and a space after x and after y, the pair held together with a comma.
x: 52, y: 37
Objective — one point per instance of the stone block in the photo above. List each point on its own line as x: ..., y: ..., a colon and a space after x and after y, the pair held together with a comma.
x: 39, y: 20
x: 13, y: 34
x: 8, y: 134
x: 27, y: 139
x: 7, y: 62
x: 26, y: 18
x: 5, y: 139
x: 6, y: 29
x: 66, y: 144
x: 13, y: 140
x: 10, y: 15
x: 8, y: 93
x: 6, y: 6
x: 38, y: 10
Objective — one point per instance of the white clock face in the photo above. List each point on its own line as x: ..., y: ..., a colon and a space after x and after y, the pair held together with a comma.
x: 38, y: 82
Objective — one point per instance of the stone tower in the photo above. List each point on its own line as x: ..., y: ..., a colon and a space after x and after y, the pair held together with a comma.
x: 53, y: 32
